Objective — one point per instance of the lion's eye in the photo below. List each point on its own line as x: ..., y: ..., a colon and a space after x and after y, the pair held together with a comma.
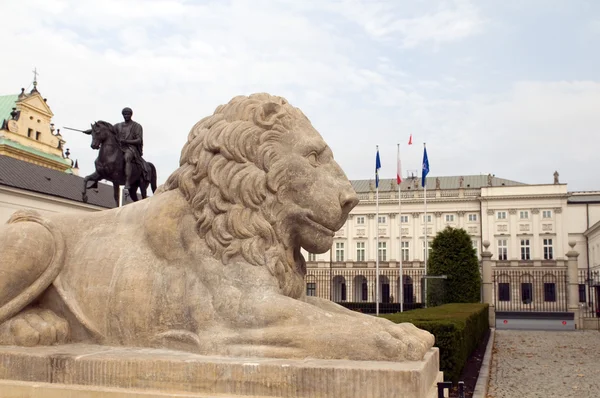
x: 313, y: 158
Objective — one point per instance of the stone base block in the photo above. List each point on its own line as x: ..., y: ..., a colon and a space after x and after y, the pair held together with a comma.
x: 590, y: 324
x: 99, y: 371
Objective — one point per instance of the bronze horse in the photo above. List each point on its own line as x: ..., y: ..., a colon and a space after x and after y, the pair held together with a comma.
x: 110, y: 164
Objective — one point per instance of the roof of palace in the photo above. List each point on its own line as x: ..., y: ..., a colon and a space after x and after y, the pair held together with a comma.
x: 446, y: 182
x: 7, y: 102
x: 19, y: 174
x: 584, y: 197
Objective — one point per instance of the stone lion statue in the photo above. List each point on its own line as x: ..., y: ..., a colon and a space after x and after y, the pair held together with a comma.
x: 211, y: 263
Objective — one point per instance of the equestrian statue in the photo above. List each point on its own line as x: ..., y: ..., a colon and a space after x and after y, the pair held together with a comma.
x: 120, y: 158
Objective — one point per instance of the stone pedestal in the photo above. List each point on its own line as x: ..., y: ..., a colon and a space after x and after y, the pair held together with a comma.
x: 573, y: 277
x: 488, y: 283
x: 99, y: 371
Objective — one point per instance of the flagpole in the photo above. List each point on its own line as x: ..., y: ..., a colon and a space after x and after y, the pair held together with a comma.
x: 377, y: 239
x: 400, y: 232
x: 424, y: 182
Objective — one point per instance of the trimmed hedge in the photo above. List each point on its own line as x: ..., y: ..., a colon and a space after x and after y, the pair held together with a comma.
x: 458, y: 329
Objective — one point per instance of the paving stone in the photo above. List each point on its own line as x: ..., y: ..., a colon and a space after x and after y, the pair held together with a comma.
x: 545, y: 364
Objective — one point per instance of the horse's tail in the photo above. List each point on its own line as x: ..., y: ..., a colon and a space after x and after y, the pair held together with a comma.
x: 152, y: 177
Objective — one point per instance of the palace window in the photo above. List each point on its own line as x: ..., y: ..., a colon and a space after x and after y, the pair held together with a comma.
x: 311, y: 289
x: 501, y: 215
x: 550, y: 292
x: 428, y: 218
x: 429, y: 252
x: 382, y: 219
x: 548, y: 252
x: 403, y: 219
x: 360, y: 220
x: 405, y: 251
x: 29, y: 133
x: 360, y: 251
x: 472, y: 217
x: 502, y: 250
x: 526, y: 292
x: 475, y: 246
x: 582, y: 294
x: 525, y: 250
x: 382, y: 251
x: 547, y: 214
x: 523, y: 214
x: 504, y: 291
x: 339, y: 251
x: 312, y: 257
x: 38, y: 135
x: 449, y: 217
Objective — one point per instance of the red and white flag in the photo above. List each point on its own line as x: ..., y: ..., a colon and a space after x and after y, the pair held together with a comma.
x: 410, y: 140
x: 399, y: 171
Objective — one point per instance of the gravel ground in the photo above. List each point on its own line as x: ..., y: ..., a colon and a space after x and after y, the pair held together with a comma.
x: 545, y: 364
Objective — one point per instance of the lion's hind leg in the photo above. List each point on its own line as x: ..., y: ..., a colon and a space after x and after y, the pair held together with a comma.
x: 31, y: 256
x: 34, y: 326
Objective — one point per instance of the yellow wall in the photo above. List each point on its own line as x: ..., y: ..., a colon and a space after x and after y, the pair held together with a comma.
x: 33, y: 131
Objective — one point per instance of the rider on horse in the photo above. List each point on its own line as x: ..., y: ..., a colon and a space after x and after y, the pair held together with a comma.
x: 120, y: 158
x: 131, y: 139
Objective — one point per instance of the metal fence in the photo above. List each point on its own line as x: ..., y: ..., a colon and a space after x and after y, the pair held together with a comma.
x: 527, y: 290
x: 356, y: 288
x: 589, y: 293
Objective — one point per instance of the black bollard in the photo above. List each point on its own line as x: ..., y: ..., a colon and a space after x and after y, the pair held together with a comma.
x: 461, y: 389
x: 442, y: 386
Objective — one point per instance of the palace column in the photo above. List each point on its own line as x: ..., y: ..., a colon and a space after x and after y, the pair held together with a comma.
x: 514, y: 247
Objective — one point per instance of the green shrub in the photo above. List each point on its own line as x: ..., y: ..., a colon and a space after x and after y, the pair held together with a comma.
x: 453, y: 255
x: 458, y: 329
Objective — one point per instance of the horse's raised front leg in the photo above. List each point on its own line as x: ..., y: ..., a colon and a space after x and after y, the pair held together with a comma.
x: 95, y: 177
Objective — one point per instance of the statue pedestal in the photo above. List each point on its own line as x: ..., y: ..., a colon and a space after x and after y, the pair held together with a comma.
x: 79, y: 370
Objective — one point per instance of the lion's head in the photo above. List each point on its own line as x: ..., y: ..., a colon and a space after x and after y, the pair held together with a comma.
x: 262, y: 183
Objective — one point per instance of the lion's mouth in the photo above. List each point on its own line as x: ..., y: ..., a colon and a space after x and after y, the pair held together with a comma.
x: 320, y: 226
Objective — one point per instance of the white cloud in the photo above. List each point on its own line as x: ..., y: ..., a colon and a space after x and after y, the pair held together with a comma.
x: 525, y: 134
x: 174, y: 62
x: 392, y: 20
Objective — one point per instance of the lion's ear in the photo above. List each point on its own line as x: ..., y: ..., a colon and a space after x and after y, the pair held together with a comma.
x: 267, y: 114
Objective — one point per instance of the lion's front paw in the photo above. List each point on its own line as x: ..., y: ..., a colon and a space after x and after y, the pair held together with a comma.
x: 336, y: 337
x: 375, y: 339
x: 34, y: 327
x: 416, y: 341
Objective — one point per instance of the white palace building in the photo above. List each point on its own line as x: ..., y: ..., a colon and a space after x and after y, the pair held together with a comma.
x: 528, y: 227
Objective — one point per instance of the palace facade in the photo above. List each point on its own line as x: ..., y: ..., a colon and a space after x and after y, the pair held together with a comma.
x: 528, y: 226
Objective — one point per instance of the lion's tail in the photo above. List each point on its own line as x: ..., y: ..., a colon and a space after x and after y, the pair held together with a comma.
x: 48, y: 276
x: 152, y: 177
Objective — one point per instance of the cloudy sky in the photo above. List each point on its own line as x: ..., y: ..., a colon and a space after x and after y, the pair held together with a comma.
x: 509, y: 87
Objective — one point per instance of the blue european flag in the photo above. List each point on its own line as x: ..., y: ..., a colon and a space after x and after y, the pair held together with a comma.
x: 377, y: 167
x: 425, y: 167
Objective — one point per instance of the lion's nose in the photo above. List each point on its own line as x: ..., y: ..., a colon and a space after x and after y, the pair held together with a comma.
x: 348, y: 200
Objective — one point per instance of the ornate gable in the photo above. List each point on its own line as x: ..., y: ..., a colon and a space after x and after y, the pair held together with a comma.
x: 36, y: 103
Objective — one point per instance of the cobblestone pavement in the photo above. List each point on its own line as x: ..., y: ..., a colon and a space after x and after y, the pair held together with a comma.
x: 545, y: 364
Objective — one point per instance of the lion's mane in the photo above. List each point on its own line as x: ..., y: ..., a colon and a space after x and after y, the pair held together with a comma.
x: 230, y: 171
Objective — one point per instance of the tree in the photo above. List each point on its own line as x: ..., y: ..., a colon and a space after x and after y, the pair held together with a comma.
x: 453, y: 255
